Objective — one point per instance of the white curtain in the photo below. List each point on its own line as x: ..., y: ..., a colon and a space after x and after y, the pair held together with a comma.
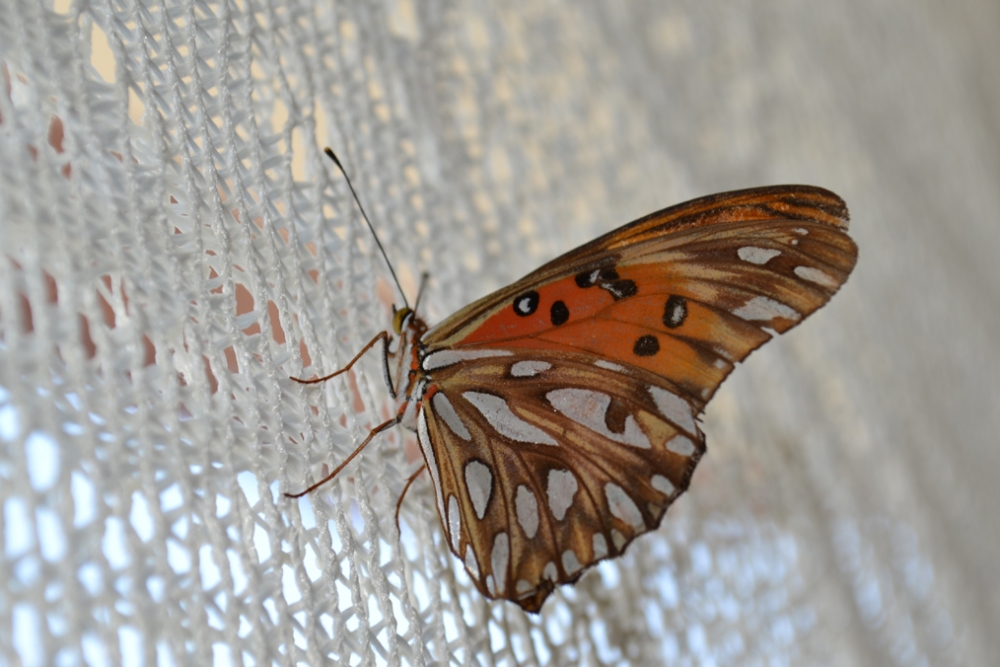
x: 174, y: 245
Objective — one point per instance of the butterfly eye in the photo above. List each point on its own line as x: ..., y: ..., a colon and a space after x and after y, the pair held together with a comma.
x: 399, y: 319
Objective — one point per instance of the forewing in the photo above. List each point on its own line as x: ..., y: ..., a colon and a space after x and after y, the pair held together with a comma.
x: 545, y: 463
x: 684, y: 293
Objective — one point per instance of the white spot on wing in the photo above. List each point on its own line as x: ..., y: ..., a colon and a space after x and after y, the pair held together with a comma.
x: 814, y: 275
x: 674, y: 408
x: 588, y: 408
x: 561, y: 488
x: 454, y: 522
x: 617, y: 538
x: 490, y: 586
x: 443, y: 407
x: 607, y: 365
x: 506, y: 423
x: 443, y: 358
x: 471, y: 564
x: 527, y: 369
x: 663, y: 485
x: 600, y: 546
x: 622, y: 506
x: 424, y: 438
x: 479, y: 483
x: 800, y: 231
x: 499, y: 559
x: 550, y: 572
x: 755, y: 255
x: 527, y: 510
x: 570, y: 562
x: 523, y: 586
x: 680, y: 444
x: 763, y: 308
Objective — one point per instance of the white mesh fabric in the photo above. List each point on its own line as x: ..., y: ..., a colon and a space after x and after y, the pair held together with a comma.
x: 173, y: 245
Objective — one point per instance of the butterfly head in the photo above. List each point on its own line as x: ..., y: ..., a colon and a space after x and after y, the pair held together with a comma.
x: 401, y: 318
x: 405, y: 318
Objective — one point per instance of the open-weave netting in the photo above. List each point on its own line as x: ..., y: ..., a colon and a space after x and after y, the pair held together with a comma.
x: 174, y: 245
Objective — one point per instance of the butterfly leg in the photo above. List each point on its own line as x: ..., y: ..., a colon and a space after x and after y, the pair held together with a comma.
x: 375, y: 431
x: 399, y: 503
x: 381, y: 336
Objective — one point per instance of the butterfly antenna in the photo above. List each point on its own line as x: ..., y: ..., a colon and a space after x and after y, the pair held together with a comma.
x: 420, y: 292
x: 330, y: 154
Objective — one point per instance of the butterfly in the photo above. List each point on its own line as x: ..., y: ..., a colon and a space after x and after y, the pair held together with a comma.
x: 558, y: 416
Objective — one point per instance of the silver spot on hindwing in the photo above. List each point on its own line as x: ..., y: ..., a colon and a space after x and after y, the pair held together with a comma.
x: 600, y: 546
x: 443, y: 407
x: 680, y: 445
x: 424, y: 438
x: 618, y: 539
x: 530, y: 368
x: 471, y: 564
x: 589, y: 408
x: 502, y: 418
x: 609, y: 366
x: 674, y: 408
x: 454, y: 523
x: 622, y: 506
x: 550, y: 572
x: 527, y: 510
x: 663, y: 485
x: 523, y: 586
x: 570, y: 563
x: 499, y: 559
x: 479, y: 484
x: 442, y: 358
x: 562, y: 486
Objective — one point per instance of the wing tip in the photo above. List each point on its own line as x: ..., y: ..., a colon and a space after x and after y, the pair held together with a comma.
x: 805, y: 202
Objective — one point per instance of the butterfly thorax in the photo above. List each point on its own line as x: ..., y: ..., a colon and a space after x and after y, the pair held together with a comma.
x: 410, y: 329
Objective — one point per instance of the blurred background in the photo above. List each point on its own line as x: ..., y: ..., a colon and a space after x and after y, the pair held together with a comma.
x: 175, y: 246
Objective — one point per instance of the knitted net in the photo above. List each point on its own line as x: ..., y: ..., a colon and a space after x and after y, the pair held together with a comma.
x: 174, y: 246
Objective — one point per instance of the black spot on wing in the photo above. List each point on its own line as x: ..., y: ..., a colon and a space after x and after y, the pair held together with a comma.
x: 621, y: 289
x: 526, y: 304
x: 559, y: 313
x: 646, y: 346
x: 587, y: 278
x: 596, y: 277
x: 675, y: 312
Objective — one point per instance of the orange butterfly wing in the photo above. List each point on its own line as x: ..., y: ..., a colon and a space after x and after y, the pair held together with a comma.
x: 587, y: 375
x: 684, y: 293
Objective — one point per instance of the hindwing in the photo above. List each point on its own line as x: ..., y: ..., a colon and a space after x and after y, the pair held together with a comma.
x: 545, y: 462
